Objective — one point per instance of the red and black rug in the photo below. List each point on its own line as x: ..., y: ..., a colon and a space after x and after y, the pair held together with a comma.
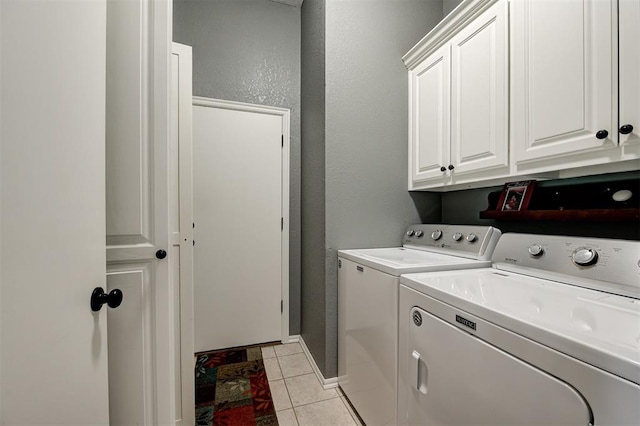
x: 232, y: 388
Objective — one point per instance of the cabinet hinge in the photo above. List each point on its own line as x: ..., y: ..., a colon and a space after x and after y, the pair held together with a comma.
x: 282, y: 223
x: 282, y: 144
x: 281, y: 306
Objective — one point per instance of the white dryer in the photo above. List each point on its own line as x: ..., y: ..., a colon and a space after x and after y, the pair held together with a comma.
x: 368, y: 284
x: 549, y: 336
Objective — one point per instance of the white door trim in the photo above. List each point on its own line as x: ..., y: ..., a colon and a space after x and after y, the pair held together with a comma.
x: 285, y: 114
x: 181, y: 199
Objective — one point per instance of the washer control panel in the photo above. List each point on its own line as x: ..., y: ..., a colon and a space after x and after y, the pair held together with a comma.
x: 475, y: 242
x: 603, y: 264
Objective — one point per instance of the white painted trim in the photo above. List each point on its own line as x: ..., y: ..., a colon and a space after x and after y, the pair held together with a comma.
x: 285, y: 115
x: 460, y: 16
x: 330, y: 383
x: 160, y: 34
x: 185, y: 200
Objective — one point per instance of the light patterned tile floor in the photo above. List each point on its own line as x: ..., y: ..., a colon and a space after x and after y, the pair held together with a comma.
x: 298, y: 396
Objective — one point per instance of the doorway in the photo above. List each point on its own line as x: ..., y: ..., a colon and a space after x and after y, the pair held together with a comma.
x: 241, y: 214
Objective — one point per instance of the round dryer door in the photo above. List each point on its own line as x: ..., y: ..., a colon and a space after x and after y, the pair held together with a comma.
x: 455, y: 378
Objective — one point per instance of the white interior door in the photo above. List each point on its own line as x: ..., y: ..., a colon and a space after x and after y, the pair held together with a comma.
x: 141, y: 338
x: 240, y: 212
x: 53, y: 348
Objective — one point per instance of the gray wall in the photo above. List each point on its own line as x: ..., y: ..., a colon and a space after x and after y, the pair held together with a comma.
x: 364, y: 181
x: 313, y: 179
x: 449, y: 5
x: 249, y: 51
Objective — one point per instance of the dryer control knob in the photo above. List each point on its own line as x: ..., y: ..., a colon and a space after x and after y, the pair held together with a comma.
x: 436, y: 235
x: 472, y: 238
x: 584, y: 256
x: 419, y: 233
x: 410, y: 233
x: 536, y: 250
x: 457, y: 236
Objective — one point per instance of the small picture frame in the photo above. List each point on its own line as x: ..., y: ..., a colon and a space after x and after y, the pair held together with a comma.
x: 515, y: 196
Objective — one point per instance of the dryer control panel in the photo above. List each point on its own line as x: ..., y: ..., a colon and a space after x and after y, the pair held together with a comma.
x: 602, y: 264
x: 474, y: 242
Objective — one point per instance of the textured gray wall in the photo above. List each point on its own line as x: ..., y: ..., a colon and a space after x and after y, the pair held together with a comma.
x: 249, y: 51
x: 364, y: 181
x: 449, y: 5
x: 313, y: 178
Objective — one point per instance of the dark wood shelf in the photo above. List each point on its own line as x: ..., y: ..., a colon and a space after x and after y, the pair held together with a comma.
x: 586, y: 215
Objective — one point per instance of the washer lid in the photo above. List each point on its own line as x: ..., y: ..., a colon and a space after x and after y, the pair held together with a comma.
x: 400, y: 260
x: 598, y: 328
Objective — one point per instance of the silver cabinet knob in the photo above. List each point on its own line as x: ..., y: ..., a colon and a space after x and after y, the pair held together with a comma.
x: 436, y: 235
x: 457, y: 236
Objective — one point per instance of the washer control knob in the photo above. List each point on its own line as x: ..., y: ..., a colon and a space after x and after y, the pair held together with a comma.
x: 436, y: 235
x: 584, y: 256
x: 472, y: 238
x: 457, y: 236
x: 419, y: 233
x: 410, y: 233
x: 536, y: 250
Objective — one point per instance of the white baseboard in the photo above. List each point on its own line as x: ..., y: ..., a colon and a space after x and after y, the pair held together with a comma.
x: 330, y: 383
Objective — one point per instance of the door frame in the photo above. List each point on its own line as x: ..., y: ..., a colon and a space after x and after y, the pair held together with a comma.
x: 285, y: 115
x: 182, y: 194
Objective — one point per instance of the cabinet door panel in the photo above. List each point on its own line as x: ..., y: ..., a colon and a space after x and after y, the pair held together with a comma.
x: 562, y: 75
x: 430, y: 116
x: 629, y: 62
x: 479, y: 87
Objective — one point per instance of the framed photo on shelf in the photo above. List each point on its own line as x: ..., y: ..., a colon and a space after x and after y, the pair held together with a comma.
x: 515, y: 196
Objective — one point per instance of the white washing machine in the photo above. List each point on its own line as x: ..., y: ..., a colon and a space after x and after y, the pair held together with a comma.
x: 549, y: 336
x: 368, y: 283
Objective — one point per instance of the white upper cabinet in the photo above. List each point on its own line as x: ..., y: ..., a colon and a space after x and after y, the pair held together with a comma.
x: 458, y: 98
x: 629, y: 77
x: 565, y: 83
x: 430, y: 129
x: 479, y: 94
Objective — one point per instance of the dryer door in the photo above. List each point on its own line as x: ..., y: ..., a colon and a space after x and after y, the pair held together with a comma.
x: 459, y: 379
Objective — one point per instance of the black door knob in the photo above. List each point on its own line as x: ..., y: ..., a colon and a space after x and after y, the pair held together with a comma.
x: 626, y: 129
x: 99, y: 298
x: 602, y: 134
x: 451, y: 167
x: 161, y: 254
x: 443, y: 169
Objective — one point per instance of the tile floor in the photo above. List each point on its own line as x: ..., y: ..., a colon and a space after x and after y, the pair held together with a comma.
x: 298, y: 396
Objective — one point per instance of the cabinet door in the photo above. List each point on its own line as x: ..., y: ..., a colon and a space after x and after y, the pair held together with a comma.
x: 629, y: 72
x: 562, y: 73
x: 479, y: 93
x: 429, y: 118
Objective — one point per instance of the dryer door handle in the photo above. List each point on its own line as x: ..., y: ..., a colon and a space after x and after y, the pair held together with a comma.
x: 419, y: 373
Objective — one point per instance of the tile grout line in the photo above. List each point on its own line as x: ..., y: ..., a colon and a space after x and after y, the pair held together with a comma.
x: 284, y: 382
x: 293, y: 410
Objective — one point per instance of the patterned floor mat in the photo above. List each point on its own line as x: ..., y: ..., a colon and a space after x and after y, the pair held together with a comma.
x: 232, y: 388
